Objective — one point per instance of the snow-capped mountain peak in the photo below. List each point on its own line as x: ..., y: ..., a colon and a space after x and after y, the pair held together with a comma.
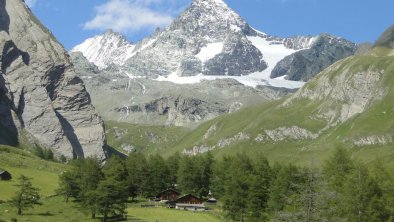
x: 106, y: 49
x: 208, y: 40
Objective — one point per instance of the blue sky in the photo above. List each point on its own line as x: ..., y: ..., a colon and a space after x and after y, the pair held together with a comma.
x: 72, y: 21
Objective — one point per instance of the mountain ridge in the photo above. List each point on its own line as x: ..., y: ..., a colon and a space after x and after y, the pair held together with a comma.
x: 179, y: 52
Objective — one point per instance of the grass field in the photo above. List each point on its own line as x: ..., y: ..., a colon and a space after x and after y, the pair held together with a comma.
x: 44, y: 174
x: 170, y: 215
x: 54, y: 209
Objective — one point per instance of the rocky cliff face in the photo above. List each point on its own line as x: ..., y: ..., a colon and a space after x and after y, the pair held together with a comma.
x: 41, y: 98
x: 305, y: 64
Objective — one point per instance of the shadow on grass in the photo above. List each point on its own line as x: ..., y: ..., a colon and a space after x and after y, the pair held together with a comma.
x: 46, y: 214
x: 114, y: 218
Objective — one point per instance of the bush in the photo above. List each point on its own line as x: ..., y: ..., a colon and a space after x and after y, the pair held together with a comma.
x: 45, y: 154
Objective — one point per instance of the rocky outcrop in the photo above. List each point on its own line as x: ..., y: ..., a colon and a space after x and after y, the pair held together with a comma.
x: 42, y: 99
x: 373, y: 140
x: 179, y: 110
x: 288, y: 133
x: 81, y: 64
x: 223, y: 143
x: 305, y: 64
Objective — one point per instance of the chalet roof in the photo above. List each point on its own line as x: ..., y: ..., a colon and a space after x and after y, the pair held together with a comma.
x: 188, y: 195
x: 2, y: 171
x: 169, y: 190
x: 212, y: 200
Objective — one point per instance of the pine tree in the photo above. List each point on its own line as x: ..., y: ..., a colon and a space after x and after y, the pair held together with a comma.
x: 188, y: 175
x: 137, y: 174
x: 204, y: 165
x: 363, y: 198
x: 259, y: 190
x: 111, y: 193
x: 157, y: 177
x: 236, y: 187
x: 286, y: 187
x: 337, y: 168
x: 68, y: 185
x: 89, y: 175
x: 173, y: 167
x: 27, y: 196
x: 220, y: 175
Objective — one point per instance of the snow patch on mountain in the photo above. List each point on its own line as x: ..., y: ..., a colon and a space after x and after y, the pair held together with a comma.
x: 210, y: 51
x: 272, y: 51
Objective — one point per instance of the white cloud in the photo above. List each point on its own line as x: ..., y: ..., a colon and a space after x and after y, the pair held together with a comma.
x: 31, y: 3
x: 130, y: 16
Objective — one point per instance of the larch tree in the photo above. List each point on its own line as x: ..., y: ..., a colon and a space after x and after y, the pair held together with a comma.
x: 27, y: 195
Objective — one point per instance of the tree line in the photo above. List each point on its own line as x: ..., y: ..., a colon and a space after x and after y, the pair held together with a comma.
x: 249, y: 189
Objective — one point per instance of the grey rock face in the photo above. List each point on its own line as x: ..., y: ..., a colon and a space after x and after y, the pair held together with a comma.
x: 180, y: 110
x: 174, y: 50
x: 41, y: 96
x: 238, y: 57
x: 81, y: 64
x: 304, y: 65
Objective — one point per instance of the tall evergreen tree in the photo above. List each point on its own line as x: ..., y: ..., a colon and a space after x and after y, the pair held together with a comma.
x: 259, y: 190
x: 111, y: 193
x: 286, y: 187
x: 188, y: 175
x: 158, y: 176
x: 89, y: 175
x: 68, y: 185
x: 363, y: 198
x: 236, y: 187
x: 27, y: 195
x: 173, y: 167
x: 220, y: 175
x: 137, y: 174
x: 337, y: 168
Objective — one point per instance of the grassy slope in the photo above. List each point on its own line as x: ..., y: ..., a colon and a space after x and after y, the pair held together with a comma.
x: 44, y: 174
x: 378, y: 120
x: 146, y: 139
